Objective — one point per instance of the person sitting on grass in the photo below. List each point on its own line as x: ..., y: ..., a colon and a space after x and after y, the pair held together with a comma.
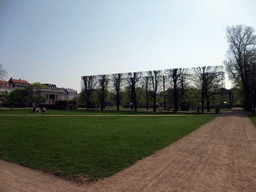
x: 38, y: 110
x: 44, y: 110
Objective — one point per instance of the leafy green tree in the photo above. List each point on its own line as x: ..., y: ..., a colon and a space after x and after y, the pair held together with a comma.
x: 192, y: 99
x: 18, y: 96
x: 238, y: 94
x: 126, y: 95
x: 37, y: 99
x: 38, y: 85
x: 141, y: 93
x: 3, y: 96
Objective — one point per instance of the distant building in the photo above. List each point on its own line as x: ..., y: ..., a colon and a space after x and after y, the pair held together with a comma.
x: 12, y: 84
x: 6, y: 86
x: 9, y: 86
x: 70, y: 93
x: 53, y: 93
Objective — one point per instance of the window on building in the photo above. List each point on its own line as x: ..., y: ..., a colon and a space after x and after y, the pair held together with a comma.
x: 52, y: 96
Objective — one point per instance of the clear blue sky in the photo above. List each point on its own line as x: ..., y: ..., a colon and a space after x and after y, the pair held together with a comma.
x: 58, y: 41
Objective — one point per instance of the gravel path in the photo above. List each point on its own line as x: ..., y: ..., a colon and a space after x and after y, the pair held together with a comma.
x: 219, y: 156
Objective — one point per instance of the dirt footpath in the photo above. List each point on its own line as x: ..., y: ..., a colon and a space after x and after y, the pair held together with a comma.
x: 219, y: 156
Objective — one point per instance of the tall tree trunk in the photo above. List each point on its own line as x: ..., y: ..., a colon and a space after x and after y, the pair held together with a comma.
x: 132, y: 97
x: 230, y: 99
x: 135, y: 101
x: 154, y: 102
x: 202, y: 101
x: 118, y: 101
x: 164, y: 92
x: 208, y: 103
x: 176, y: 106
x: 88, y: 104
x: 147, y: 92
x: 183, y: 103
x: 102, y: 99
x: 117, y: 78
x: 247, y: 102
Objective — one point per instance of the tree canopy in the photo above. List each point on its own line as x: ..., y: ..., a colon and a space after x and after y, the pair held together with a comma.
x: 38, y: 85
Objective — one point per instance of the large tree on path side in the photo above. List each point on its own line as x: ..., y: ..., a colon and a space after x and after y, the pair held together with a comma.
x: 242, y: 41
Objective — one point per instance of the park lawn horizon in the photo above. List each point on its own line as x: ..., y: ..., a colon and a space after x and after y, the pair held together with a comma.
x: 29, y: 111
x: 89, y: 146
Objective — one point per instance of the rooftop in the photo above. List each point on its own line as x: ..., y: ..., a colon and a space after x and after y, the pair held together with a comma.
x: 19, y: 81
x: 5, y: 84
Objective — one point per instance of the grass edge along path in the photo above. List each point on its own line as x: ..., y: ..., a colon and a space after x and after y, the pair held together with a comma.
x: 252, y: 118
x: 89, y: 147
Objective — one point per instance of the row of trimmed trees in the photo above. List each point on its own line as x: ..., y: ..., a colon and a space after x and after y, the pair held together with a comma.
x: 176, y: 84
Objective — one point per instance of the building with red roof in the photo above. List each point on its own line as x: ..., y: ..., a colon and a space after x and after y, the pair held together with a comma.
x: 18, y: 83
x: 51, y: 94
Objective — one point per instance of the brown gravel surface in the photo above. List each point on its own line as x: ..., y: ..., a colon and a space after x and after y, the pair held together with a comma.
x: 219, y: 156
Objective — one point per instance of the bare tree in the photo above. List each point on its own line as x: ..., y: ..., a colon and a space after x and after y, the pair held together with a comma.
x: 103, y: 83
x: 89, y: 83
x: 209, y: 80
x: 133, y: 79
x: 241, y: 41
x: 164, y: 80
x: 2, y: 72
x: 155, y: 78
x: 117, y: 80
x: 184, y: 76
x: 146, y: 90
x: 175, y: 75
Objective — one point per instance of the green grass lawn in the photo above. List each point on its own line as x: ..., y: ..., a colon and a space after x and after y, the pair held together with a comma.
x: 88, y: 146
x: 253, y: 119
